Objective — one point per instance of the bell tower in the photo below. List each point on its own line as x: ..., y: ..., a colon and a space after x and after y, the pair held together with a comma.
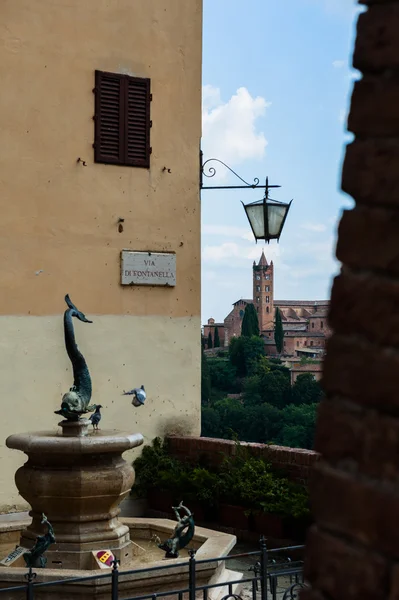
x: 263, y: 294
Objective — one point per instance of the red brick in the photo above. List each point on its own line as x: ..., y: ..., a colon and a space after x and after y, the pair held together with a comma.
x: 338, y: 432
x: 394, y: 595
x: 358, y: 440
x: 370, y: 171
x: 344, y: 571
x: 359, y: 508
x: 354, y: 308
x: 374, y: 107
x: 368, y: 239
x: 377, y: 42
x: 362, y: 372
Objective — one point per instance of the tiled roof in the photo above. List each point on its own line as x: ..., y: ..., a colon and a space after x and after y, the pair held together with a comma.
x: 247, y: 300
x: 302, y: 302
x: 303, y: 334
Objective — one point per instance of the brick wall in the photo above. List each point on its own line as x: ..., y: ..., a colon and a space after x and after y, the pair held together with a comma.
x: 295, y: 462
x: 353, y: 549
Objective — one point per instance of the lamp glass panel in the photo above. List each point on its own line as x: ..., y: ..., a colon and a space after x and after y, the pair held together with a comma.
x: 276, y: 214
x: 255, y: 215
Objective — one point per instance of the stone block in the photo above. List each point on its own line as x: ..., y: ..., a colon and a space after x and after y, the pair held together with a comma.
x: 343, y: 570
x: 370, y: 171
x: 377, y: 41
x: 368, y: 239
x: 374, y: 106
x: 356, y: 507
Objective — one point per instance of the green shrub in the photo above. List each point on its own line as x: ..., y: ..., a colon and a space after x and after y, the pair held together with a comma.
x: 241, y: 480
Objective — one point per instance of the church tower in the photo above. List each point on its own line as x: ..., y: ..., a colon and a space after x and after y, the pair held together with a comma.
x: 263, y: 292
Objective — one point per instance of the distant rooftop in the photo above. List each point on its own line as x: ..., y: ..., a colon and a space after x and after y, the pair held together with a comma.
x: 302, y: 302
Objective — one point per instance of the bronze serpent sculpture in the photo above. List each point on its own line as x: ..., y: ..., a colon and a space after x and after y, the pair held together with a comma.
x: 182, y: 535
x: 34, y: 557
x: 75, y: 403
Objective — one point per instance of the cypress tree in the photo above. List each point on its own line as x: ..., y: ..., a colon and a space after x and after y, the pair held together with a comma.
x: 278, y: 332
x: 250, y: 323
x: 216, y: 340
x: 210, y: 345
x: 205, y: 379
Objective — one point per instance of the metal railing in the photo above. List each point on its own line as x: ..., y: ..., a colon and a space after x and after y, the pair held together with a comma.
x: 276, y: 576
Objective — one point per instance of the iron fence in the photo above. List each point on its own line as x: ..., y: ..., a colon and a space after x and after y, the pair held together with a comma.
x: 275, y: 575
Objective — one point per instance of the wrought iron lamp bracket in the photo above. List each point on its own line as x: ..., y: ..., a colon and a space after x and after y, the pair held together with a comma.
x: 209, y: 171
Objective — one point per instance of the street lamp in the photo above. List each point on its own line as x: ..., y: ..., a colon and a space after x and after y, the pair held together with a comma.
x: 267, y: 216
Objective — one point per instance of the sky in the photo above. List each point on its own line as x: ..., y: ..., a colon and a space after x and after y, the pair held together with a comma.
x: 277, y: 80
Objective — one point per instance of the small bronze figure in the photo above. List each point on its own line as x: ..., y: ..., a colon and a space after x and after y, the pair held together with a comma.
x: 182, y: 535
x: 34, y: 557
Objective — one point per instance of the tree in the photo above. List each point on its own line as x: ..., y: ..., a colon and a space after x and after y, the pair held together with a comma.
x: 306, y: 390
x: 209, y: 344
x: 216, y: 340
x: 210, y: 423
x: 275, y: 389
x: 250, y: 323
x: 205, y: 379
x: 223, y: 375
x: 278, y: 331
x: 244, y: 353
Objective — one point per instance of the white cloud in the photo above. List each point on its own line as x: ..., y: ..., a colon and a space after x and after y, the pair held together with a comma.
x: 228, y: 251
x: 339, y: 64
x: 229, y: 129
x: 315, y: 227
x: 228, y: 231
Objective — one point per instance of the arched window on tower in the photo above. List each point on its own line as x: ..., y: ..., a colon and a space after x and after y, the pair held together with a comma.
x: 267, y: 299
x: 267, y: 288
x: 267, y: 309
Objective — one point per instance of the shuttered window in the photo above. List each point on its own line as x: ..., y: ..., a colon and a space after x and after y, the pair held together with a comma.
x: 122, y: 120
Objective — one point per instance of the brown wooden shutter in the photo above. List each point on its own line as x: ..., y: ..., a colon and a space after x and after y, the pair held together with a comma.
x: 137, y: 139
x: 122, y: 120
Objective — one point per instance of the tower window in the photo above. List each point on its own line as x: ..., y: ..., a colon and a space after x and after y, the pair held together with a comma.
x: 297, y: 344
x: 267, y: 298
x: 258, y: 277
x: 321, y: 324
x: 267, y: 288
x: 311, y: 342
x: 312, y: 324
x: 267, y: 309
x: 305, y: 343
x: 257, y: 299
x: 267, y: 276
x: 258, y: 288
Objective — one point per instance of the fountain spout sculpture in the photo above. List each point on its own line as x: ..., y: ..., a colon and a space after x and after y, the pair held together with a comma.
x: 182, y: 535
x: 34, y: 557
x: 75, y: 403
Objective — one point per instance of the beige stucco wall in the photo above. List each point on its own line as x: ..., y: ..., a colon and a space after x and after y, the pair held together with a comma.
x: 59, y: 227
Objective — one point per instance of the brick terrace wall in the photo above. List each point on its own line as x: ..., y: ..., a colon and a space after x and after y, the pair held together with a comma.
x: 296, y: 463
x: 353, y: 549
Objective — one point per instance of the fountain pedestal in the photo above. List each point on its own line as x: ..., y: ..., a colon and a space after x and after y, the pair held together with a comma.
x: 77, y: 479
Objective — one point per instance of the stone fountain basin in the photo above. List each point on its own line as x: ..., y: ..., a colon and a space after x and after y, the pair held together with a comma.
x: 209, y: 544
